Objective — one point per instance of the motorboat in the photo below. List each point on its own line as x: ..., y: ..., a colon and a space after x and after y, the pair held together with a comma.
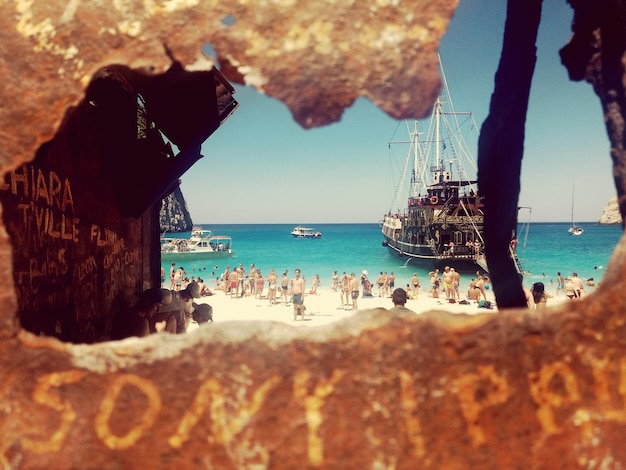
x: 201, y: 244
x: 305, y: 232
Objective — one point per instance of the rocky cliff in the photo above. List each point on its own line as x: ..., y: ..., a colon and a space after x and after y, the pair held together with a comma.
x: 611, y: 214
x: 174, y: 216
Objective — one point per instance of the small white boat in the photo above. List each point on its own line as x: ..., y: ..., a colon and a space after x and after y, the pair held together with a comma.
x: 201, y: 244
x: 574, y: 229
x: 305, y: 232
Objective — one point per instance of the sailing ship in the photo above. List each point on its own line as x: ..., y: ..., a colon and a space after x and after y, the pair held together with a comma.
x: 442, y: 223
x: 574, y: 229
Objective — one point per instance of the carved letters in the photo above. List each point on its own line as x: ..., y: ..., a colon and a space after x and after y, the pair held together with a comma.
x: 552, y: 387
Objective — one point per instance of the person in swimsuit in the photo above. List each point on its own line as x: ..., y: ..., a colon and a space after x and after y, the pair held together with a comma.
x: 345, y: 289
x: 260, y: 283
x: 540, y: 295
x: 446, y: 277
x: 415, y: 282
x: 297, y: 290
x: 560, y: 283
x: 272, y: 282
x: 284, y: 288
x: 354, y: 288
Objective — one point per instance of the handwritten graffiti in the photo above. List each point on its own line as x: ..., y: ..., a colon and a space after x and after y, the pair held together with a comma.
x: 84, y: 268
x: 43, y: 269
x: 49, y: 189
x: 554, y: 388
x: 48, y: 222
x: 106, y: 238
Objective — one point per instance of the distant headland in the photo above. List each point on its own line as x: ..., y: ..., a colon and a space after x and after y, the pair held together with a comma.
x: 611, y: 214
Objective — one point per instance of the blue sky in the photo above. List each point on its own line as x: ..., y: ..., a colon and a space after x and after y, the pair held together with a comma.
x: 261, y: 167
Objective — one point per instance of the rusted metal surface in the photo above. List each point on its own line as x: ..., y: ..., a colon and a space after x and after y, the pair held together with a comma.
x: 512, y: 390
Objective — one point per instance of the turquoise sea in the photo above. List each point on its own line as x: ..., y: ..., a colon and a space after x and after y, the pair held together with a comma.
x: 548, y: 248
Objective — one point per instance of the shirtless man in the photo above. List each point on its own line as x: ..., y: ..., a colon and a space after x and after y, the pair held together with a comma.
x: 354, y: 290
x: 284, y: 288
x: 560, y: 283
x: 392, y: 281
x: 434, y: 283
x: 272, y: 283
x: 241, y: 274
x: 578, y: 285
x: 456, y: 280
x: 415, y: 284
x: 297, y: 289
x: 446, y: 277
x: 232, y: 283
x: 380, y: 283
x: 480, y: 284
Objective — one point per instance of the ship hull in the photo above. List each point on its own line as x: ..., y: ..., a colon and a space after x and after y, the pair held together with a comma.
x: 423, y: 257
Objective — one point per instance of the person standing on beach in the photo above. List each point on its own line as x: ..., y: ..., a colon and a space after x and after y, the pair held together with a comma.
x: 345, y: 289
x: 446, y: 277
x: 415, y: 283
x: 172, y: 272
x: 334, y: 282
x: 578, y: 284
x: 315, y: 284
x: 392, y: 281
x: 272, y: 284
x: 241, y: 275
x: 226, y: 280
x: 232, y: 283
x: 480, y: 284
x: 380, y: 283
x: 297, y: 291
x: 434, y: 283
x: 260, y: 283
x: 178, y: 278
x: 456, y: 280
x: 385, y: 284
x: 560, y: 283
x: 284, y: 288
x: 354, y: 289
x: 252, y: 279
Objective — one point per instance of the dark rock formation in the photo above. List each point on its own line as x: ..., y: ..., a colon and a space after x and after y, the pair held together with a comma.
x: 174, y: 216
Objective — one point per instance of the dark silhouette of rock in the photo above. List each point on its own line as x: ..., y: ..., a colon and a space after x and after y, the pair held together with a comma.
x: 174, y: 215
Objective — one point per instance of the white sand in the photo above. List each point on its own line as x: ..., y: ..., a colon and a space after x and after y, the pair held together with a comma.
x: 325, y: 308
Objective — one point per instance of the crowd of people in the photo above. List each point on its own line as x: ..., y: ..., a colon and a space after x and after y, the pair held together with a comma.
x: 172, y: 307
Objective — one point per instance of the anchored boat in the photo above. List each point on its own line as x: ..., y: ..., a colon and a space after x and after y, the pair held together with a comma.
x: 442, y: 221
x: 305, y: 232
x: 201, y: 244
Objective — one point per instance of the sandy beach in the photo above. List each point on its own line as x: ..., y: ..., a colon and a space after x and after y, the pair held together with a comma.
x: 325, y: 308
